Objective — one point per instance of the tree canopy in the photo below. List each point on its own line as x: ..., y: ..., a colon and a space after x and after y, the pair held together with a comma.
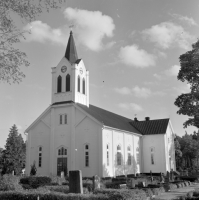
x: 11, y: 58
x: 189, y: 72
x: 13, y: 157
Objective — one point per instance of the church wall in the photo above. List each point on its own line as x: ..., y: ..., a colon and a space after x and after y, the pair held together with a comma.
x: 88, y: 132
x: 169, y: 149
x: 155, y: 142
x: 113, y: 138
x: 38, y: 137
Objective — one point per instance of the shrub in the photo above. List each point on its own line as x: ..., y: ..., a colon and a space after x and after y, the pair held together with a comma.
x: 33, y: 169
x: 123, y: 194
x: 58, y: 188
x: 87, y: 183
x: 32, y: 195
x: 156, y: 191
x: 9, y: 182
x: 36, y: 181
x: 57, y: 180
x: 148, y: 192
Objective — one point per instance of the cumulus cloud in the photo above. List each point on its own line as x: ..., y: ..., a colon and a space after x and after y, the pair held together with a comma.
x: 188, y: 20
x: 167, y: 34
x: 91, y: 27
x: 141, y: 92
x: 130, y: 106
x: 157, y: 76
x: 173, y: 71
x: 123, y: 90
x: 42, y: 32
x: 133, y: 56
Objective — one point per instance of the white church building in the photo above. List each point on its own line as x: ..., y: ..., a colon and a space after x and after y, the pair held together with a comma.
x: 72, y: 134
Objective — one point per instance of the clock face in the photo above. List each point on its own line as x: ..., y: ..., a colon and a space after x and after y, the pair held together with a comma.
x: 63, y: 69
x: 81, y: 71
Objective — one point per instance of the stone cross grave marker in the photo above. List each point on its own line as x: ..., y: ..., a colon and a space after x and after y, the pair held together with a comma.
x: 96, y: 182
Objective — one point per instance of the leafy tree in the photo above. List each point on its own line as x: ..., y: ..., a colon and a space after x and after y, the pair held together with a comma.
x: 14, y: 153
x: 11, y: 58
x: 178, y: 152
x: 189, y: 103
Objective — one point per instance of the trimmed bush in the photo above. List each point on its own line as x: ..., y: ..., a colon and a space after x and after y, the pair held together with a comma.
x: 36, y: 181
x: 156, y: 191
x: 58, y: 188
x: 123, y: 194
x: 148, y: 192
x: 9, y: 182
x: 32, y: 195
x: 88, y: 184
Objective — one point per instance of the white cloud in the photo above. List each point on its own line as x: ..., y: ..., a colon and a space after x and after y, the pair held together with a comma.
x: 91, y: 27
x: 157, y: 76
x: 173, y: 71
x: 182, y: 89
x: 133, y: 56
x: 123, y: 90
x: 130, y: 106
x: 141, y: 92
x: 168, y: 34
x: 188, y: 20
x: 42, y: 32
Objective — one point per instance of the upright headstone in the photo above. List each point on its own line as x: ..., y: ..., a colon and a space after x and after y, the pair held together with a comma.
x: 96, y: 182
x: 172, y: 175
x: 168, y: 177
x: 131, y: 183
x: 151, y: 176
x: 13, y: 172
x: 62, y: 174
x: 75, y: 182
x: 161, y: 178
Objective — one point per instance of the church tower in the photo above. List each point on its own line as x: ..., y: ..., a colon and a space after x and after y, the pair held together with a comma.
x: 70, y: 79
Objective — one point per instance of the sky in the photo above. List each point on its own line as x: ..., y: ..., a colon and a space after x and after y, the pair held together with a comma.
x: 130, y: 47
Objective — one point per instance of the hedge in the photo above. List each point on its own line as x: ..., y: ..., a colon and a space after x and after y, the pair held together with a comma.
x: 36, y: 181
x: 123, y: 194
x: 49, y: 196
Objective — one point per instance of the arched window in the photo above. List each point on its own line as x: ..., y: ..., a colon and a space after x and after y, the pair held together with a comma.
x: 62, y: 151
x: 107, y: 154
x: 83, y: 86
x: 67, y: 83
x: 138, y: 155
x: 119, y: 155
x: 78, y: 84
x: 40, y: 157
x: 86, y: 151
x: 152, y: 155
x: 129, y: 155
x: 59, y: 81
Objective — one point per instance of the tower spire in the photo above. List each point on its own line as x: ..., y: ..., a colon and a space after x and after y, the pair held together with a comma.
x: 71, y: 52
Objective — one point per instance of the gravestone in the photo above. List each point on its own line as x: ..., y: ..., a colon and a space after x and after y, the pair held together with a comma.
x: 168, y: 177
x: 161, y: 178
x: 151, y: 176
x: 122, y: 186
x: 75, y: 182
x: 131, y: 183
x: 62, y: 174
x: 96, y: 182
x: 172, y: 175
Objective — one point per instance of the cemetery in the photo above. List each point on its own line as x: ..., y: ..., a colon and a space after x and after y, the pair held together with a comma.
x: 139, y: 187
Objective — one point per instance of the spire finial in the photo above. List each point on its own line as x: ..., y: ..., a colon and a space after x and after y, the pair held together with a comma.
x: 71, y: 28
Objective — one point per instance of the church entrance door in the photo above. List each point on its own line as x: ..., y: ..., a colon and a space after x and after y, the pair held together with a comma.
x: 62, y: 166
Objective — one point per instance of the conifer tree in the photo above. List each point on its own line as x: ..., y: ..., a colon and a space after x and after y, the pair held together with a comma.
x: 14, y: 153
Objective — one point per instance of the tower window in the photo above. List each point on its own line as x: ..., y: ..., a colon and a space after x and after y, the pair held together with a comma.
x: 78, y: 84
x: 67, y: 83
x: 40, y: 157
x: 86, y: 151
x: 119, y: 155
x: 83, y: 86
x: 59, y: 82
x: 62, y: 151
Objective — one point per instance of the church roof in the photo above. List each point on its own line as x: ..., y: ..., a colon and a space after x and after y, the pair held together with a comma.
x: 71, y: 52
x: 157, y: 126
x: 109, y: 119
